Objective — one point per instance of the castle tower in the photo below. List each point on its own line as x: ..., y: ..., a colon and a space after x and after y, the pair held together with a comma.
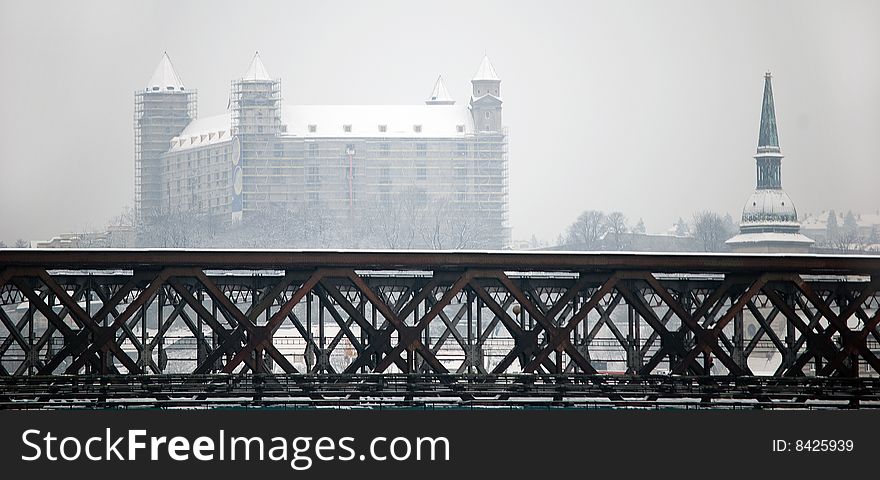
x: 256, y: 121
x: 769, y: 219
x: 486, y: 99
x: 161, y: 111
x: 440, y: 95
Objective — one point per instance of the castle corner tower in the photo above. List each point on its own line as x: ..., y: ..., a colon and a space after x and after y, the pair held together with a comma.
x: 486, y: 99
x: 256, y: 121
x: 162, y: 110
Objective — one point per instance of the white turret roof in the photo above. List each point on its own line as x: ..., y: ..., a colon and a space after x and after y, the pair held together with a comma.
x: 440, y: 96
x: 256, y: 71
x: 486, y: 70
x: 165, y: 78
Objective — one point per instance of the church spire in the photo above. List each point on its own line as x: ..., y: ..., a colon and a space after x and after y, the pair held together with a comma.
x: 769, y: 218
x: 768, y: 139
x: 165, y: 78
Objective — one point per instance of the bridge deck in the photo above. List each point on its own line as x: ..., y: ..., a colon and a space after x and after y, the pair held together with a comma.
x: 112, y: 313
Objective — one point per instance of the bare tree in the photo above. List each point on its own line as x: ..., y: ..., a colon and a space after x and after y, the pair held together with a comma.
x: 711, y: 230
x: 22, y: 243
x: 616, y: 228
x: 587, y: 231
x: 394, y: 220
x: 848, y: 240
x: 125, y: 218
x: 681, y: 228
x: 443, y: 227
x: 640, y: 227
x: 177, y: 229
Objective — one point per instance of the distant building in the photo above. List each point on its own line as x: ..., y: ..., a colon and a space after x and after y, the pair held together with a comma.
x: 346, y: 163
x: 816, y: 225
x: 115, y: 236
x: 635, y: 242
x: 769, y: 218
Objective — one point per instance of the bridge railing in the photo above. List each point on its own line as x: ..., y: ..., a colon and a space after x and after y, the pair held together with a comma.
x: 358, y: 312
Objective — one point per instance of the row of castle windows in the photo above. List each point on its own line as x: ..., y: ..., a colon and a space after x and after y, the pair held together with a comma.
x: 313, y: 128
x: 385, y: 150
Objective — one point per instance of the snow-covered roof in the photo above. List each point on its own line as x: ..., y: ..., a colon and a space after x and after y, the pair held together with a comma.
x: 165, y: 78
x: 371, y: 120
x: 770, y: 237
x: 204, y: 131
x: 256, y: 71
x: 354, y: 121
x: 440, y: 95
x: 767, y: 206
x: 486, y: 70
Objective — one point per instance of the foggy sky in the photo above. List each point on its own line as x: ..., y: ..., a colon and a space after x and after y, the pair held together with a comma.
x: 650, y: 108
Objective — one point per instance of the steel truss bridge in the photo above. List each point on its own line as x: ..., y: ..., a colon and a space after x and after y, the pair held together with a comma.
x: 194, y: 328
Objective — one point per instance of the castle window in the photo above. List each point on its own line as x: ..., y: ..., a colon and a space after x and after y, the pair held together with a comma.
x: 346, y: 128
x: 462, y: 149
x: 417, y: 128
x: 383, y: 128
x: 487, y: 114
x: 385, y: 149
x: 459, y: 128
x: 313, y: 150
x: 313, y: 128
x: 421, y: 149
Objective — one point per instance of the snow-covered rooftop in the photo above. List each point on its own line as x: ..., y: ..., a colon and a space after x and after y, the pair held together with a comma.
x: 770, y: 237
x: 768, y: 206
x: 165, y: 78
x: 377, y: 120
x: 347, y: 121
x: 204, y: 131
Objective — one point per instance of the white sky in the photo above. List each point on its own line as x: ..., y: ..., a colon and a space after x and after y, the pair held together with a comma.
x: 650, y: 108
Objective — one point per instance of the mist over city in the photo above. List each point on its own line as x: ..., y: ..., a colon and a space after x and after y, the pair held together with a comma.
x: 565, y: 125
x: 403, y: 239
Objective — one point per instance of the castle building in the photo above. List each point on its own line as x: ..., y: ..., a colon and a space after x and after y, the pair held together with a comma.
x: 415, y: 164
x: 769, y: 219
